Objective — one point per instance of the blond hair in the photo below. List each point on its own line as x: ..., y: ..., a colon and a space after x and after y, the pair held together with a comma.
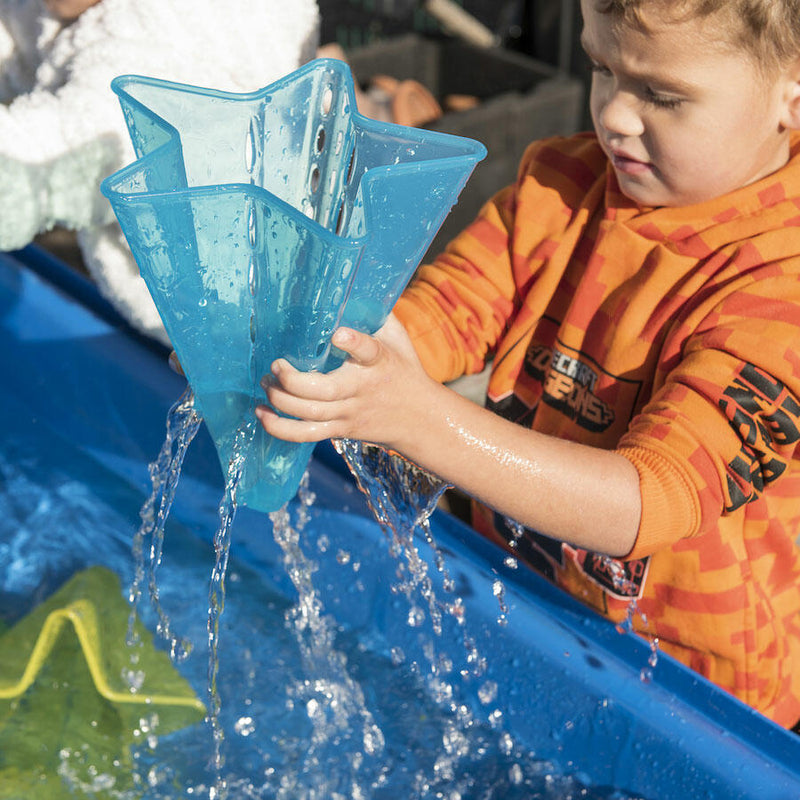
x: 768, y: 29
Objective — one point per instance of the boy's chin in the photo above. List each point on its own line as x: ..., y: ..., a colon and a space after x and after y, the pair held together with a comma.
x: 646, y: 195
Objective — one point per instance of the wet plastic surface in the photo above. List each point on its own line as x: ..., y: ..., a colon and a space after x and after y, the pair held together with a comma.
x: 262, y: 221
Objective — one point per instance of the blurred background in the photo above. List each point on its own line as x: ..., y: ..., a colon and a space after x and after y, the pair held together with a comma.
x: 505, y: 72
x: 543, y: 29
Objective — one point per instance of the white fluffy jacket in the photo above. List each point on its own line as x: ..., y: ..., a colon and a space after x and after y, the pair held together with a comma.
x: 61, y: 127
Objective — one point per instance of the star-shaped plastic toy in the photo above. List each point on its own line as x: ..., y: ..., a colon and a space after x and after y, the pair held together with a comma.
x: 67, y: 715
x: 262, y: 221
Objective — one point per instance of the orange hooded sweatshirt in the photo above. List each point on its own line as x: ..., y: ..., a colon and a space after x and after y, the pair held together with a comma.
x: 671, y: 335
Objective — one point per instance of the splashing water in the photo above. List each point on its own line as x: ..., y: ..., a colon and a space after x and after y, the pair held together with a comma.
x: 517, y: 532
x: 344, y: 753
x: 622, y: 584
x: 627, y: 626
x: 333, y: 700
x: 216, y: 600
x: 626, y: 587
x: 402, y: 497
x: 183, y: 422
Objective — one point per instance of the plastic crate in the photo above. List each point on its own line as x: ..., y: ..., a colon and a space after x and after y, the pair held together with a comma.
x: 354, y: 23
x: 521, y: 100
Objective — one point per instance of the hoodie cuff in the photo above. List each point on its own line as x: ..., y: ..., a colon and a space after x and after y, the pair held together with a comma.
x: 670, y: 506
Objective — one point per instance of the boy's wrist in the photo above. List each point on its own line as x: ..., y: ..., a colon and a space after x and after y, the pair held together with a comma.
x: 426, y: 428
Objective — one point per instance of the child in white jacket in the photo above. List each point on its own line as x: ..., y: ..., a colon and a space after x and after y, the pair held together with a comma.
x: 61, y: 128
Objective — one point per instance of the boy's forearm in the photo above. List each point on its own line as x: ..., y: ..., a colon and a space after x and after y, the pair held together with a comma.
x: 579, y: 494
x: 575, y: 493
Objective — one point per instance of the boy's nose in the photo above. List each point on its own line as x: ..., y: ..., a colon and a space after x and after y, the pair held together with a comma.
x: 618, y: 114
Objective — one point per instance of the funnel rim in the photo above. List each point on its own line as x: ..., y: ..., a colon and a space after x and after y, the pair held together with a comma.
x: 462, y: 152
x: 120, y: 81
x: 463, y: 147
x: 332, y: 64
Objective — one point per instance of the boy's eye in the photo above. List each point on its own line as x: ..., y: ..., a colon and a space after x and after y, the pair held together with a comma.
x: 594, y: 66
x: 661, y: 100
x: 651, y: 96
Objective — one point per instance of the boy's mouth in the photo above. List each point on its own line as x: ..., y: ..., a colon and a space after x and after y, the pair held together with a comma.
x: 627, y: 164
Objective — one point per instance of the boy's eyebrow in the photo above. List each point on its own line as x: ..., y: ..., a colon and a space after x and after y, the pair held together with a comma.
x: 667, y: 82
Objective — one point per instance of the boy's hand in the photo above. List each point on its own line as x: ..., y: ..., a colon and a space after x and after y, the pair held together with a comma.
x: 371, y: 397
x: 174, y: 364
x: 381, y: 394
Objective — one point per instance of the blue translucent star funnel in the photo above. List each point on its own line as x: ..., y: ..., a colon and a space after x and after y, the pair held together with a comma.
x: 262, y: 221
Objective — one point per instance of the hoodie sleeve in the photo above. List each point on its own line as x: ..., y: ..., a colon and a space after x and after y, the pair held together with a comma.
x: 720, y: 436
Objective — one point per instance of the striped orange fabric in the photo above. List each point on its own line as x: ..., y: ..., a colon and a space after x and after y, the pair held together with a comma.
x: 673, y: 336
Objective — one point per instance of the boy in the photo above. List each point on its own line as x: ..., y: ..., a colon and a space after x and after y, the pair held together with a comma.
x: 639, y: 292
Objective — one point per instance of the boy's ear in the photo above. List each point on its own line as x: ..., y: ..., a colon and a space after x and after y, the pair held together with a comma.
x: 791, y: 111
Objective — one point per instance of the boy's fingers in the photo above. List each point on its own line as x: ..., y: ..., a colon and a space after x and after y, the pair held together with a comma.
x: 306, y: 385
x: 302, y: 408
x: 292, y: 430
x: 174, y: 364
x: 361, y: 348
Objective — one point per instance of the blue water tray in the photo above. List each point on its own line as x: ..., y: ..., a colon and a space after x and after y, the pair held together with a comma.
x: 568, y: 683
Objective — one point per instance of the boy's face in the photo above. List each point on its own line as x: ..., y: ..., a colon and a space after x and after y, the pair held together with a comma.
x: 682, y: 115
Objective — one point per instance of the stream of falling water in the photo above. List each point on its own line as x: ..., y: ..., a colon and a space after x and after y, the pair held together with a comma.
x: 182, y: 425
x: 216, y: 601
x: 621, y: 583
x: 183, y: 422
x: 334, y: 701
x: 402, y: 497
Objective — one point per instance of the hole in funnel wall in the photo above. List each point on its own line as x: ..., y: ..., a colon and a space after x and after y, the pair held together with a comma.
x: 326, y: 101
x: 252, y: 233
x: 341, y: 218
x: 250, y: 148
